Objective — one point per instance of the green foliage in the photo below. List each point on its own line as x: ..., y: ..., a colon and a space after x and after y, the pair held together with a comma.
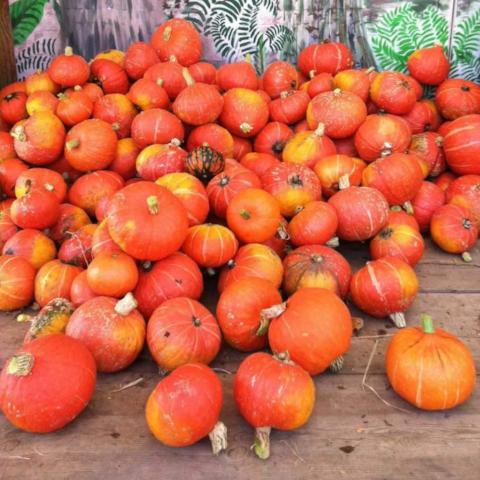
x: 25, y: 16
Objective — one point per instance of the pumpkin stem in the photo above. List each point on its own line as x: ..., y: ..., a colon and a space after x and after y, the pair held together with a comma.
x: 172, y: 58
x: 337, y: 92
x: 188, y: 78
x: 23, y: 317
x: 21, y: 364
x: 320, y: 130
x: 225, y: 181
x: 68, y: 51
x: 77, y: 88
x: 344, y: 182
x: 175, y: 142
x: 152, y: 204
x: 231, y: 263
x: 211, y: 272
x: 298, y: 209
x: 116, y: 126
x: 466, y: 257
x: 278, y: 146
x: 285, y: 94
x: 439, y: 141
x: 218, y: 437
x: 427, y: 324
x: 334, y: 242
x: 408, y: 207
x: 62, y: 96
x: 369, y: 70
x: 398, y: 319
x: 263, y: 327
x: 386, y: 150
x: 126, y: 305
x: 159, y: 82
x: 312, y: 73
x: 245, y: 214
x: 166, y: 34
x: 386, y: 233
x: 283, y: 357
x: 282, y: 233
x: 395, y: 208
x: 147, y: 265
x: 48, y: 187
x: 272, y: 312
x: 18, y: 133
x: 71, y: 144
x: 196, y: 321
x: 261, y: 445
x: 246, y: 127
x: 337, y: 365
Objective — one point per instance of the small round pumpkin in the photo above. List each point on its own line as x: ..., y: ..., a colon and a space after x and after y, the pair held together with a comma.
x: 42, y: 179
x: 279, y: 77
x: 237, y: 75
x: 204, y: 72
x: 80, y: 292
x: 157, y: 160
x: 7, y: 228
x: 17, y: 276
x: 456, y: 98
x: 138, y: 58
x: 10, y: 170
x: 213, y: 136
x: 423, y: 117
x: 73, y: 108
x: 37, y: 82
x: 391, y: 92
x: 70, y: 219
x: 41, y: 102
x: 290, y: 107
x: 13, y: 107
x: 465, y: 192
x: 6, y: 146
x: 320, y: 83
x: 69, y: 69
x: 146, y: 94
x: 125, y: 158
x: 117, y: 110
x: 37, y: 209
x: 428, y: 199
x: 111, y: 76
x: 428, y: 146
x: 169, y: 76
x: 204, y: 162
x: 354, y: 81
x: 429, y: 66
x: 272, y: 139
x: 259, y: 163
x: 329, y: 57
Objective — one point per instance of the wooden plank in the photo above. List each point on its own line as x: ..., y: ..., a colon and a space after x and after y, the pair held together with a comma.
x: 8, y: 72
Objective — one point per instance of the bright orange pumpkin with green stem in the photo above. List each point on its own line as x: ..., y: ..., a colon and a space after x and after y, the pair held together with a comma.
x: 69, y: 69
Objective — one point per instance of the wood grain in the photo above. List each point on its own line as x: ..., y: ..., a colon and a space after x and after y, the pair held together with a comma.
x: 8, y: 72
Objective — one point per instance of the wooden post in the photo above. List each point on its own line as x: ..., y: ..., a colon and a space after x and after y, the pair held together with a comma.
x: 8, y: 72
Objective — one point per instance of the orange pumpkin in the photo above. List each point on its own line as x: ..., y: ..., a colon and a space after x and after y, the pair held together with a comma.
x: 117, y: 110
x: 354, y: 81
x: 13, y: 107
x: 204, y: 72
x: 17, y: 276
x: 77, y: 250
x: 429, y: 66
x: 70, y: 219
x: 428, y: 199
x: 41, y: 179
x: 6, y: 146
x: 428, y: 146
x: 146, y: 94
x: 157, y: 160
x: 272, y: 139
x: 393, y: 93
x: 10, y: 170
x: 259, y: 163
x: 69, y: 69
x: 125, y: 158
x: 138, y: 58
x: 237, y: 75
x: 74, y: 107
x: 423, y: 117
x: 41, y: 102
x: 213, y: 136
x: 169, y: 76
x: 329, y: 57
x: 456, y: 98
x: 40, y: 82
x: 109, y: 75
x: 465, y: 191
x: 80, y: 292
x: 7, y: 227
x: 323, y: 82
x: 279, y: 77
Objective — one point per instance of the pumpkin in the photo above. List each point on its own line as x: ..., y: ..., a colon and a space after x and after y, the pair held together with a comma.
x: 191, y: 193
x: 259, y: 163
x: 42, y: 179
x: 391, y: 92
x: 73, y: 108
x: 397, y: 216
x: 7, y: 228
x: 315, y: 328
x: 174, y: 276
x: 32, y: 245
x: 185, y: 407
x: 341, y: 113
x: 13, y: 87
x: 177, y: 37
x: 385, y: 287
x: 13, y: 107
x: 92, y: 90
x: 354, y: 81
x: 39, y: 139
x: 213, y: 136
x: 244, y: 113
x: 39, y: 82
x: 157, y: 160
x: 41, y: 102
x: 6, y: 146
x: 138, y: 58
x: 286, y: 403
x: 382, y: 134
x: 77, y: 250
x: 203, y: 72
x: 328, y: 57
x: 169, y: 75
x: 54, y: 280
x: 156, y: 126
x: 456, y: 98
x: 69, y: 69
x: 429, y: 66
x: 102, y: 242
x: 323, y: 82
x: 272, y: 139
x: 37, y: 209
x: 10, y: 170
x: 147, y: 221
x: 279, y: 77
x: 70, y: 219
x: 180, y: 331
x: 241, y: 146
x: 454, y: 229
x: 80, y: 292
x: 338, y: 171
x: 465, y: 192
x: 116, y: 56
x: 461, y: 145
x: 237, y: 75
x: 428, y: 146
x: 125, y: 158
x: 52, y: 360
x: 399, y: 241
x: 428, y: 199
x: 117, y: 110
x: 146, y: 94
x: 423, y: 117
x: 17, y: 277
x: 346, y: 146
x: 91, y: 145
x: 204, y: 162
x: 362, y: 212
x: 110, y: 76
x: 430, y: 368
x: 289, y: 107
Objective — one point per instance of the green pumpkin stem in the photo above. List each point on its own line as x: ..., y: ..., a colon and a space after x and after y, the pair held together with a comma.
x: 152, y: 204
x: 21, y: 364
x: 427, y: 324
x: 71, y: 144
x: 245, y: 214
x: 261, y: 445
x: 218, y: 438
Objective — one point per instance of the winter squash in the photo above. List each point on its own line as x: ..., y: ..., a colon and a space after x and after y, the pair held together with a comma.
x: 465, y: 192
x: 391, y: 92
x: 73, y: 108
x: 157, y: 160
x: 77, y: 250
x: 90, y: 145
x: 13, y: 87
x: 113, y: 330
x: 272, y: 139
x: 6, y: 146
x: 240, y: 312
x: 125, y: 158
x: 213, y: 136
x: 423, y: 117
x: 7, y: 228
x: 156, y: 126
x: 328, y: 57
x: 397, y: 216
x: 382, y: 134
x: 37, y: 82
x: 430, y: 368
x: 181, y: 331
x: 244, y: 113
x: 454, y: 229
x: 399, y: 241
x: 191, y: 193
x: 289, y: 107
x: 54, y: 280
x: 33, y: 408
x: 253, y: 215
x: 308, y: 147
x: 80, y: 292
x: 39, y: 139
x: 70, y: 219
x: 461, y: 145
x: 385, y: 287
x: 259, y: 163
x: 68, y: 69
x: 13, y: 107
x: 237, y: 75
x: 323, y: 82
x: 33, y: 245
x: 42, y: 179
x: 174, y: 276
x: 116, y: 56
x: 286, y: 403
x: 428, y: 199
x: 316, y: 266
x: 204, y: 162
x: 110, y: 76
x: 341, y: 113
x: 117, y: 110
x: 10, y: 170
x: 185, y: 407
x: 169, y: 75
x: 428, y: 146
x: 17, y: 276
x: 325, y: 325
x: 362, y: 212
x: 429, y: 66
x: 41, y: 102
x: 146, y: 94
x: 177, y: 37
x: 102, y: 242
x: 241, y: 146
x: 398, y: 176
x: 37, y: 209
x: 315, y: 223
x: 456, y: 98
x: 292, y: 185
x: 139, y: 57
x: 203, y: 72
x: 147, y: 221
x: 338, y: 171
x: 92, y: 90
x: 354, y: 81
x: 279, y: 77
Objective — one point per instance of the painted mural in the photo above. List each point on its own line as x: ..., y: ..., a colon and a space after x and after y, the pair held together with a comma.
x: 381, y: 33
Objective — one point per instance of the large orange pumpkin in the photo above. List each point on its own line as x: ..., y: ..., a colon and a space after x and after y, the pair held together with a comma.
x: 456, y: 97
x: 69, y: 69
x: 391, y: 92
x: 429, y: 66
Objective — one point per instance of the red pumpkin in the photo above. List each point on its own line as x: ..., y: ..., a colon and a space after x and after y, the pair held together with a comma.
x: 213, y: 136
x: 147, y: 221
x: 69, y: 69
x: 430, y: 368
x: 423, y: 117
x: 259, y: 163
x: 7, y: 228
x: 37, y: 209
x: 117, y: 110
x: 428, y: 199
x: 17, y: 276
x: 286, y: 403
x: 125, y: 158
x: 354, y: 81
x: 385, y: 287
x: 156, y: 126
x: 41, y: 179
x: 461, y: 145
x: 80, y: 292
x: 41, y: 102
x: 279, y: 77
x: 326, y: 327
x: 54, y: 280
x: 110, y: 76
x: 13, y: 107
x: 340, y: 112
x: 70, y: 219
x: 25, y: 401
x: 185, y: 407
x: 73, y: 108
x: 157, y: 160
x: 428, y: 146
x: 169, y: 75
x: 102, y: 242
x: 241, y: 146
x: 382, y: 134
x: 465, y: 192
x: 92, y: 90
x: 77, y: 250
x: 14, y: 87
x: 203, y: 72
x: 323, y: 82
x: 429, y: 66
x: 139, y: 57
x: 362, y: 212
x: 147, y: 94
x: 328, y: 57
x: 456, y: 98
x: 116, y: 56
x: 37, y: 82
x: 397, y: 216
x: 290, y: 107
x: 454, y: 229
x: 272, y: 139
x: 346, y: 146
x: 10, y: 170
x: 237, y: 75
x: 181, y: 331
x: 391, y: 92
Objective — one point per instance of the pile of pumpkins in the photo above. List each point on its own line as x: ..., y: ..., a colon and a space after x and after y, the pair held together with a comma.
x: 127, y: 179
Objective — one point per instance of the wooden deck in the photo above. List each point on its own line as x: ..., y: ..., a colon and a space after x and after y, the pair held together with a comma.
x: 352, y: 433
